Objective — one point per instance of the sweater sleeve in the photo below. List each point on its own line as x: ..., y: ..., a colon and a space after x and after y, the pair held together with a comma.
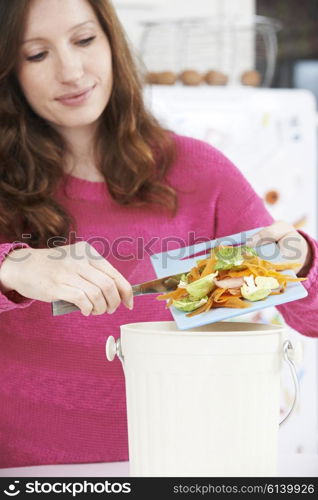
x: 302, y: 315
x: 239, y: 209
x: 12, y: 300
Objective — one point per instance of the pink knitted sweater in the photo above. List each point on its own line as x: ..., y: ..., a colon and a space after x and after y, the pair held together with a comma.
x: 61, y: 401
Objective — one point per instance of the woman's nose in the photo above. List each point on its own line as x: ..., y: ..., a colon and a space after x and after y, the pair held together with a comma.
x: 69, y: 67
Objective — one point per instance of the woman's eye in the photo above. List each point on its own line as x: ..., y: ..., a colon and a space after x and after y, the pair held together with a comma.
x: 86, y: 41
x: 41, y: 55
x: 37, y: 57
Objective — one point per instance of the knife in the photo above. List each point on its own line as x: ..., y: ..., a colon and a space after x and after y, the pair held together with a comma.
x: 161, y: 285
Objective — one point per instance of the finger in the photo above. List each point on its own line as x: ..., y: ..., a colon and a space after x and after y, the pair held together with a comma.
x: 75, y: 296
x: 270, y: 234
x: 105, y: 283
x: 293, y: 247
x: 93, y: 292
x: 123, y: 286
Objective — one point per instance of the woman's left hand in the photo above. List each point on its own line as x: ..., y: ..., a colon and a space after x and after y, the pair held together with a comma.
x: 292, y: 244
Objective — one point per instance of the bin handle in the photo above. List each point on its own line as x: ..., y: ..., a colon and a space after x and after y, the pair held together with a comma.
x: 288, y: 350
x: 113, y: 348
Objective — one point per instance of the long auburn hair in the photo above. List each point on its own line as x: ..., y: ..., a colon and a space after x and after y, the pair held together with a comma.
x: 31, y: 151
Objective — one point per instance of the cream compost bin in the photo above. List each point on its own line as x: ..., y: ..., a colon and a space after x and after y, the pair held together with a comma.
x: 203, y: 402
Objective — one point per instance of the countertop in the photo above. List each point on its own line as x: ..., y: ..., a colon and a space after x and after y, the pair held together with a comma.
x: 298, y: 465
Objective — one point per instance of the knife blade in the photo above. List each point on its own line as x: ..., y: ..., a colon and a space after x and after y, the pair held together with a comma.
x: 160, y: 285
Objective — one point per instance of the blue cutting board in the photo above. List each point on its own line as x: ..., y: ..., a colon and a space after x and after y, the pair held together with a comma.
x: 182, y: 260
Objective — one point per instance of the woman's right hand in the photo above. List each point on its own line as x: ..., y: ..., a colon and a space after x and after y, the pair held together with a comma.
x: 76, y: 273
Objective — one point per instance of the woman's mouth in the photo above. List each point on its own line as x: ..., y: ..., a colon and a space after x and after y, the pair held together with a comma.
x: 76, y: 98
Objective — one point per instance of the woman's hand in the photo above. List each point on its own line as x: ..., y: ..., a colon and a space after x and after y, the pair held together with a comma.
x: 292, y: 245
x: 75, y: 273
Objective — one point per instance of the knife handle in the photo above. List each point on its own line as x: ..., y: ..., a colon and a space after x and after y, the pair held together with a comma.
x: 60, y: 307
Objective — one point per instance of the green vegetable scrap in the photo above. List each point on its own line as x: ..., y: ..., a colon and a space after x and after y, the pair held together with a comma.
x: 258, y: 288
x: 188, y: 304
x: 230, y: 257
x: 199, y: 288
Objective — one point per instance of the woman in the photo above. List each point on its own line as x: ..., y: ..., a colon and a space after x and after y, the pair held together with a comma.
x: 90, y: 186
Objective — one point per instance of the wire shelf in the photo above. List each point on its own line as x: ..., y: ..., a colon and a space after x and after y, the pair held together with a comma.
x: 199, y: 45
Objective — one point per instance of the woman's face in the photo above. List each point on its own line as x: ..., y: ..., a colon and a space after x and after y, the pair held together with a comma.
x: 65, y: 67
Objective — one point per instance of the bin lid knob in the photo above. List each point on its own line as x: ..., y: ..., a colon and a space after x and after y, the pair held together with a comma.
x: 111, y: 349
